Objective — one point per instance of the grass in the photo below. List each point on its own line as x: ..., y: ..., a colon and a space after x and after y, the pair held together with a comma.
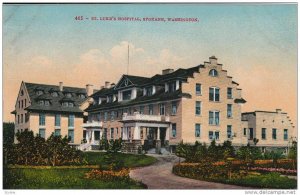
x: 130, y: 160
x: 60, y: 179
x: 72, y: 177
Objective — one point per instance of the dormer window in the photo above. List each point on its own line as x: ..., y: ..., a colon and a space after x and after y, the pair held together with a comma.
x: 54, y: 94
x: 126, y: 95
x: 109, y: 99
x: 39, y: 92
x: 149, y: 91
x: 213, y: 73
x: 172, y: 87
x: 81, y: 96
x: 68, y: 95
x: 68, y: 104
x: 44, y: 102
x: 99, y: 100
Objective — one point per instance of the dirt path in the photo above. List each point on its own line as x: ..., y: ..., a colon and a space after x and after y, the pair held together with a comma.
x: 160, y: 176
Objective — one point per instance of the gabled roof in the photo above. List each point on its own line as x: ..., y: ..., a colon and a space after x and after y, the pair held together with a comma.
x: 130, y: 81
x: 55, y: 102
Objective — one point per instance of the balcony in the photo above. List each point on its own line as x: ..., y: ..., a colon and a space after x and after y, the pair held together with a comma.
x: 92, y: 124
x: 145, y: 117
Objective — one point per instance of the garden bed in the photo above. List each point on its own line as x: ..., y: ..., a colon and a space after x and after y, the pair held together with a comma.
x: 220, y: 173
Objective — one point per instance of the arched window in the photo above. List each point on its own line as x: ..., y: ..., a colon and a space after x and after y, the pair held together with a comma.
x: 213, y: 73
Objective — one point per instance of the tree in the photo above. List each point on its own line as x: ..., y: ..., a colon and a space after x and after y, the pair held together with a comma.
x: 8, y: 141
x: 293, y: 153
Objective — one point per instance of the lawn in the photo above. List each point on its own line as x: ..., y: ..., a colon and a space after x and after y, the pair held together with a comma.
x: 130, y: 160
x: 46, y: 177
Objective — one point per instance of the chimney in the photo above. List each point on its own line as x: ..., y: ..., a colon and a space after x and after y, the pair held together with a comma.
x: 112, y: 85
x: 278, y: 110
x: 102, y: 87
x: 213, y: 60
x: 167, y: 71
x: 106, y: 84
x: 61, y: 86
x: 89, y: 89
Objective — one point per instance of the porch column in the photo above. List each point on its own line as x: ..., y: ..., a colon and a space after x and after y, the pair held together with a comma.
x: 93, y: 135
x: 168, y: 133
x: 101, y: 133
x: 87, y: 135
x: 158, y: 133
x: 136, y: 133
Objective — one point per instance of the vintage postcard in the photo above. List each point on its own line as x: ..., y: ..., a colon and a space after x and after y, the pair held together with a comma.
x: 150, y: 96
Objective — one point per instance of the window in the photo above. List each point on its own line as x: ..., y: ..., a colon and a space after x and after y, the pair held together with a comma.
x: 97, y: 135
x: 42, y: 133
x: 211, y: 135
x: 285, y: 134
x: 71, y: 104
x: 57, y: 120
x: 71, y: 121
x: 214, y: 94
x: 39, y: 92
x: 151, y: 109
x: 274, y: 133
x: 162, y: 109
x: 18, y: 119
x: 174, y: 132
x: 198, y: 89
x: 198, y: 108
x: 172, y: 86
x: 112, y: 115
x: 47, y: 102
x: 174, y: 108
x: 217, y: 135
x: 22, y: 92
x: 148, y: 91
x: 214, y: 135
x: 105, y: 116
x: 42, y: 119
x: 229, y: 110
x: 229, y: 93
x: 142, y: 109
x: 57, y: 132
x: 54, y: 94
x: 214, y: 117
x: 126, y: 95
x: 263, y: 133
x: 229, y: 131
x: 41, y: 102
x: 68, y: 95
x: 21, y: 118
x: 213, y: 73
x: 98, y: 116
x: 25, y: 102
x: 197, y: 130
x: 104, y: 135
x: 112, y: 133
x: 22, y: 104
x: 110, y: 99
x: 81, y: 96
x: 71, y: 135
x: 245, y: 131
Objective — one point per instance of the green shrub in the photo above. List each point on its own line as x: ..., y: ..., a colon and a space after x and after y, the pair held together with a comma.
x: 35, y: 150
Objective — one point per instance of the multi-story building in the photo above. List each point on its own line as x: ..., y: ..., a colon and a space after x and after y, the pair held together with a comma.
x: 201, y: 103
x: 46, y: 109
x: 271, y: 129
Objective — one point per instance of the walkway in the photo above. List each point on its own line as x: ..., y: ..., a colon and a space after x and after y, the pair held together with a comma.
x: 160, y: 176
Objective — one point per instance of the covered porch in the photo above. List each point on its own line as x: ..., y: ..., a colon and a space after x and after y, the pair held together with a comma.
x: 145, y: 131
x: 92, y: 134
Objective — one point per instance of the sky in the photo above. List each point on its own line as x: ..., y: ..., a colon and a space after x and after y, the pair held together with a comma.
x: 256, y: 43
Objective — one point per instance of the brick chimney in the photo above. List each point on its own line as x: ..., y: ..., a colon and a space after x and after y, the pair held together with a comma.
x: 61, y: 87
x: 107, y: 84
x: 89, y: 89
x: 167, y: 71
x: 213, y: 60
x: 278, y: 110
